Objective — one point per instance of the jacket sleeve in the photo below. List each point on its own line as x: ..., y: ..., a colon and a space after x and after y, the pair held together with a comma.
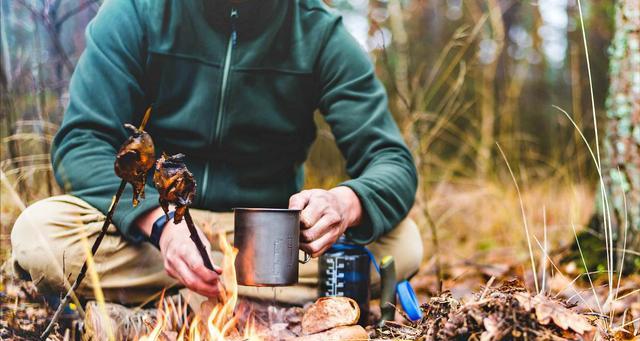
x: 354, y: 103
x: 105, y: 92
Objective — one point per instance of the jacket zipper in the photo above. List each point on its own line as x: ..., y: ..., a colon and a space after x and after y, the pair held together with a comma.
x: 223, y: 92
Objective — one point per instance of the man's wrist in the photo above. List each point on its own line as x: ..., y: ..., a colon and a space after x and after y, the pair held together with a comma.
x: 351, y: 203
x: 144, y: 223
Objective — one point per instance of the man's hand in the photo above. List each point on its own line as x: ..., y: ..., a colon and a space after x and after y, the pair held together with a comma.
x: 325, y: 216
x: 182, y: 260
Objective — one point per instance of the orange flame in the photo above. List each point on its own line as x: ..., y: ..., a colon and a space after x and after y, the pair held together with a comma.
x: 221, y: 324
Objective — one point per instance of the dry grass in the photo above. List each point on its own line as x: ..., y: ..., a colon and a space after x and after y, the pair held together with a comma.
x: 480, y: 216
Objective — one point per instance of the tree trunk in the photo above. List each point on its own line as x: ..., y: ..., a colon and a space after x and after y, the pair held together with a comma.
x: 621, y: 158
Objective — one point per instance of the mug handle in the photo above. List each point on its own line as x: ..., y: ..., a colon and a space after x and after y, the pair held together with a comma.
x: 306, y: 259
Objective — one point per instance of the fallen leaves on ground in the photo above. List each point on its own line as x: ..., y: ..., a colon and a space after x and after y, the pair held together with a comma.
x: 506, y: 312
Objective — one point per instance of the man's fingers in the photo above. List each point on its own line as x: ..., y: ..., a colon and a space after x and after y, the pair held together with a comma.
x: 321, y: 227
x: 316, y: 208
x: 298, y: 201
x: 320, y: 245
x: 193, y: 282
x: 170, y: 271
x: 197, y: 267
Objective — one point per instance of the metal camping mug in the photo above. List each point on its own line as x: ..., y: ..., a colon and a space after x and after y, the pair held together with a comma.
x: 267, y: 240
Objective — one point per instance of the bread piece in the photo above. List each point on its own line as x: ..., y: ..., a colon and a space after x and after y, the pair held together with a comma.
x: 330, y: 312
x: 352, y: 333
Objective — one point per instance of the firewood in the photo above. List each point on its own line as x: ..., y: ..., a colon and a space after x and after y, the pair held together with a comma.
x: 339, y: 333
x: 330, y: 312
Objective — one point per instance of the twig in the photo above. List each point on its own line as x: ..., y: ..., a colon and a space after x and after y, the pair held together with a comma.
x: 94, y: 248
x: 196, y: 240
x: 73, y: 12
x: 436, y: 245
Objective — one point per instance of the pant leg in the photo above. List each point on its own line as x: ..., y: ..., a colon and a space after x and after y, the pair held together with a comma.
x: 404, y: 243
x: 47, y: 243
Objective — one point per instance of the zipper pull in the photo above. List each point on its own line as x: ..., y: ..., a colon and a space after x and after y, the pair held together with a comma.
x: 234, y: 34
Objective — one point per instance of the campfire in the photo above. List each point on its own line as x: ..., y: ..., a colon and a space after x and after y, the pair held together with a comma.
x: 223, y: 319
x: 217, y: 321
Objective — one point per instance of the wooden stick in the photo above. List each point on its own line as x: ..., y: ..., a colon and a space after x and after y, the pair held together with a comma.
x: 94, y: 248
x: 196, y: 240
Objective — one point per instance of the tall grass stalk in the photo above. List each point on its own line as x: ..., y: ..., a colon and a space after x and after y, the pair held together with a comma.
x: 624, y: 248
x: 584, y: 263
x: 606, y: 210
x: 553, y: 264
x: 545, y: 250
x: 524, y: 219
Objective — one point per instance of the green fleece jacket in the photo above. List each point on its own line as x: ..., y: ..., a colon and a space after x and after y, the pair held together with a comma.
x: 234, y: 88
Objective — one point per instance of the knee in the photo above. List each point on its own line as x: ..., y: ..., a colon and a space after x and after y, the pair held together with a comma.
x: 29, y: 224
x: 409, y: 257
x: 31, y: 247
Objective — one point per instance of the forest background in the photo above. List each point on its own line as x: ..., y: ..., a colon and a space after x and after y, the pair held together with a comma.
x: 476, y: 86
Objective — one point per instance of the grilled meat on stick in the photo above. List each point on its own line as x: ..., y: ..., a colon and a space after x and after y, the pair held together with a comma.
x: 134, y: 159
x: 176, y: 186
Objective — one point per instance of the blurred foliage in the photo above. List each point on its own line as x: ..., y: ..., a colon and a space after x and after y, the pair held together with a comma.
x: 462, y: 75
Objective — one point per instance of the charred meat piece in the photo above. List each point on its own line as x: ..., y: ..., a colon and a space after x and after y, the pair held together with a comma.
x: 134, y: 159
x: 175, y: 184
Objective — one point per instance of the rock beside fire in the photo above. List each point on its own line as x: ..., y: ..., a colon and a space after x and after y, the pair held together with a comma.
x: 330, y: 312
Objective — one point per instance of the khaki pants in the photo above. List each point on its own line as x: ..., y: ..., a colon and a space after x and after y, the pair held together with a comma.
x: 49, y: 245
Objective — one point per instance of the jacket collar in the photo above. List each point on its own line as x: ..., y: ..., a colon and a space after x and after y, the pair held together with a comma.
x: 252, y: 17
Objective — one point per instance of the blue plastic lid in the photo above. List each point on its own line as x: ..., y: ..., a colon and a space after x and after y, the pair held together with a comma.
x: 408, y: 300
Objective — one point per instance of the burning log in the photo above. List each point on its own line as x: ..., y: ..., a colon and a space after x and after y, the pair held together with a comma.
x: 135, y: 155
x: 176, y: 186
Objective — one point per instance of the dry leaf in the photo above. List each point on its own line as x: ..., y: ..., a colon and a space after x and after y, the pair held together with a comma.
x: 492, y: 329
x: 548, y: 310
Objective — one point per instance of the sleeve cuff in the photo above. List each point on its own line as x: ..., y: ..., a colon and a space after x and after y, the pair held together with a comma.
x: 368, y: 230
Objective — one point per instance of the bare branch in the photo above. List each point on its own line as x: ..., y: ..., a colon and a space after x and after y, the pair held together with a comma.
x: 73, y: 12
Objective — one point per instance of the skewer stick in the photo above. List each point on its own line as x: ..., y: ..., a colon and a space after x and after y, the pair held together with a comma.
x: 199, y: 245
x: 94, y: 248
